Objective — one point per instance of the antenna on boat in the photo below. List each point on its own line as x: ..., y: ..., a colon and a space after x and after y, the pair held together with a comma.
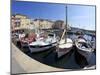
x: 39, y: 23
x: 66, y: 26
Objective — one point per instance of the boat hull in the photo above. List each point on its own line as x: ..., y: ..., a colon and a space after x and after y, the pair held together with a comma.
x: 24, y: 44
x: 63, y: 52
x: 64, y: 48
x: 86, y: 52
x: 37, y: 48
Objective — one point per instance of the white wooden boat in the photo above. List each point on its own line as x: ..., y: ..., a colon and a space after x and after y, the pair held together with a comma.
x: 84, y: 48
x: 65, y: 44
x: 64, y: 48
x: 43, y: 44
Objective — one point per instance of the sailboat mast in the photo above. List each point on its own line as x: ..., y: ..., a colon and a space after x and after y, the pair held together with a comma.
x: 66, y: 27
x: 39, y: 23
x: 39, y: 26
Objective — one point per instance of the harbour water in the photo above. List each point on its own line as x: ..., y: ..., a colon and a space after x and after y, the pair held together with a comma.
x: 72, y: 60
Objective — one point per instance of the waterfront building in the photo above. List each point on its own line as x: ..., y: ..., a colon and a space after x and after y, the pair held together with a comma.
x: 43, y: 23
x: 21, y: 22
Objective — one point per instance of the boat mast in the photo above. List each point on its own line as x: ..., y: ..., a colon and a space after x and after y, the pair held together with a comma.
x: 39, y: 25
x: 66, y: 26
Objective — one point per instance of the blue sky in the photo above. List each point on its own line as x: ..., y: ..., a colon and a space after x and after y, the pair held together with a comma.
x: 39, y: 10
x: 81, y: 16
x: 78, y: 15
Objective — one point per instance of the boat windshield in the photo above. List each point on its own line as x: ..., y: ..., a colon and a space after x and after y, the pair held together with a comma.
x: 51, y: 35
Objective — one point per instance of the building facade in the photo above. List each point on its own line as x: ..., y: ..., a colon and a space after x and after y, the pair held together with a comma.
x: 20, y: 22
x: 43, y: 23
x: 58, y: 24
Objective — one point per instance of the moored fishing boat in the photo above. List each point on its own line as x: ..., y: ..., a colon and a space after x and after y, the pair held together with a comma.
x: 28, y: 38
x: 65, y: 44
x: 43, y: 43
x: 64, y: 48
x: 84, y: 48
